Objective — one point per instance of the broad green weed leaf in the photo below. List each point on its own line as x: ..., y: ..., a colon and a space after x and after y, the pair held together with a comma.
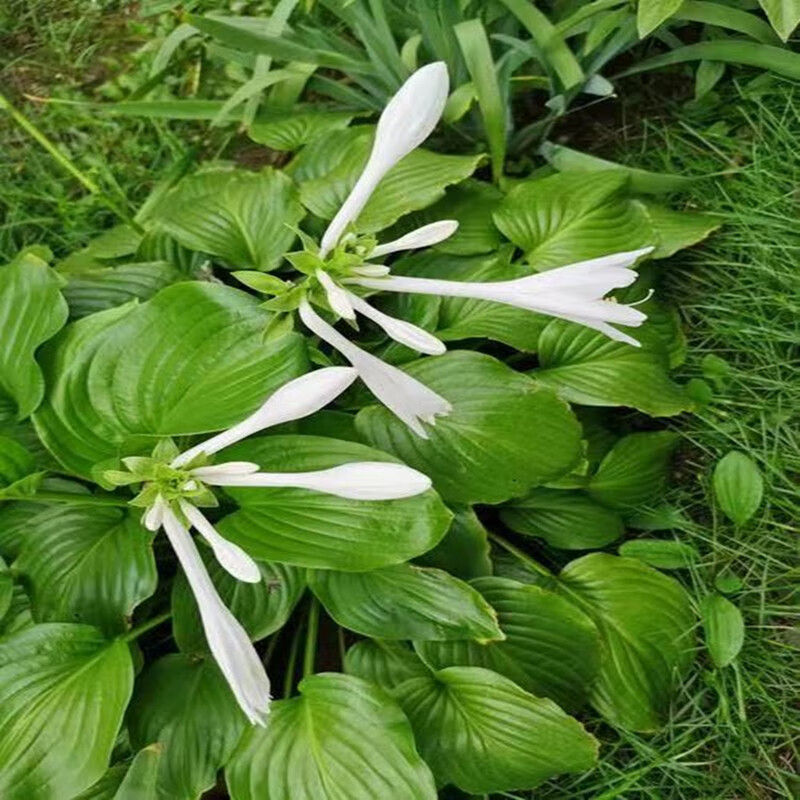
x: 505, y: 434
x: 646, y: 627
x: 192, y: 360
x: 569, y: 520
x: 32, y: 310
x: 661, y: 553
x: 341, y: 738
x: 590, y: 369
x: 63, y: 691
x: 675, y: 230
x: 405, y: 602
x: 483, y: 733
x: 783, y: 15
x: 312, y: 529
x: 262, y: 608
x: 634, y: 472
x: 551, y: 648
x: 571, y: 217
x: 738, y: 486
x: 386, y: 663
x: 724, y: 629
x: 184, y: 704
x: 243, y: 218
x: 87, y: 564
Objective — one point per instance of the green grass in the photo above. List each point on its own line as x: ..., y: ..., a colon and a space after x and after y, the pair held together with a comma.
x: 732, y: 734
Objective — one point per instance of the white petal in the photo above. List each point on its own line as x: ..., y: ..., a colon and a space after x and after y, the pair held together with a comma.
x: 426, y: 236
x: 154, y: 515
x: 410, y: 400
x: 337, y: 297
x: 227, y: 639
x: 228, y: 468
x: 364, y: 480
x: 231, y: 557
x: 401, y: 331
x: 294, y: 400
x: 408, y: 119
x: 370, y: 271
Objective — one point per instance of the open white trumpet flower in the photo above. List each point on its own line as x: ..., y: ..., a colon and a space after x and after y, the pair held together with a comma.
x: 173, y: 491
x: 576, y: 292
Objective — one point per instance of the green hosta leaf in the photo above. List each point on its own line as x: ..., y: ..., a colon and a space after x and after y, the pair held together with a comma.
x: 185, y: 705
x: 6, y: 589
x: 262, y: 608
x: 291, y: 130
x: 32, y: 310
x: 462, y: 318
x: 573, y: 217
x: 87, y: 564
x: 342, y: 738
x: 590, y: 369
x: 99, y: 289
x: 464, y: 551
x: 675, y: 230
x: 472, y: 204
x: 141, y: 780
x: 635, y: 470
x: 566, y: 519
x: 15, y: 462
x: 312, y: 529
x: 551, y: 648
x: 106, y: 788
x: 405, y: 602
x: 480, y: 453
x: 661, y: 553
x: 645, y: 623
x: 63, y: 691
x: 387, y: 664
x: 651, y: 13
x: 483, y: 733
x: 191, y: 360
x: 417, y: 181
x: 243, y: 218
x: 738, y: 486
x: 115, y: 243
x: 784, y: 15
x: 724, y: 629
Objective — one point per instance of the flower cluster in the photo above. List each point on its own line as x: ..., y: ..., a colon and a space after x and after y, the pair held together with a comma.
x: 175, y: 486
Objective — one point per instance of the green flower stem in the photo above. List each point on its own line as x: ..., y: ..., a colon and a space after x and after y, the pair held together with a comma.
x: 312, y: 629
x: 521, y: 555
x: 74, y: 498
x: 291, y: 664
x: 33, y: 131
x: 151, y: 623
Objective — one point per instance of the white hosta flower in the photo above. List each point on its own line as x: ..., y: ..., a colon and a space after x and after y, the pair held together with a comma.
x: 575, y: 292
x: 227, y: 639
x: 408, y: 119
x: 412, y: 401
x: 426, y: 236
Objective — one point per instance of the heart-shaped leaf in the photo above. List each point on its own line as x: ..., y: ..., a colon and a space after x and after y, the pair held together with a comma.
x: 87, y: 564
x: 293, y: 129
x: 32, y: 310
x: 588, y: 368
x: 185, y: 705
x: 191, y: 360
x: 505, y: 434
x: 646, y: 627
x: 63, y: 691
x: 565, y: 519
x: 342, y: 738
x: 386, y: 663
x: 405, y: 602
x: 481, y: 732
x: 312, y: 529
x: 551, y: 648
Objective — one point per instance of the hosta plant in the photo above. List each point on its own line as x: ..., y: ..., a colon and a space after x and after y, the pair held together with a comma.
x: 197, y: 370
